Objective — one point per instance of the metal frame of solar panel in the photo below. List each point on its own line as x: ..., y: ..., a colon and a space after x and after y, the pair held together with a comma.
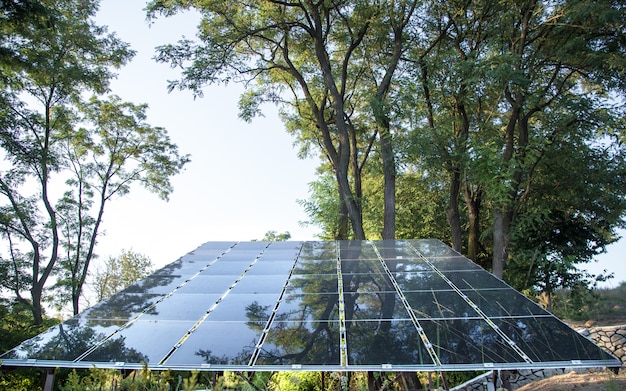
x: 404, y: 305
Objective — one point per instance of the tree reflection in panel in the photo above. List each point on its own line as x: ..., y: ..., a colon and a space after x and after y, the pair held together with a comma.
x: 69, y: 340
x: 547, y: 339
x: 301, y: 343
x: 279, y: 305
x: 305, y: 330
x: 468, y: 341
x: 385, y: 342
x: 219, y: 343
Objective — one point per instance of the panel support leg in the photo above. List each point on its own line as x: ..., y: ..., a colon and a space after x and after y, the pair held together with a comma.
x: 48, y: 381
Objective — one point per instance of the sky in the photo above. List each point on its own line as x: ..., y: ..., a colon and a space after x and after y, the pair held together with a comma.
x: 244, y: 179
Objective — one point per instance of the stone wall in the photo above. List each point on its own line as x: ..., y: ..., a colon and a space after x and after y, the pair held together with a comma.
x: 611, y: 338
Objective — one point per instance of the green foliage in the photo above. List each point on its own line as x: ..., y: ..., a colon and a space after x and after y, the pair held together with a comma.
x: 140, y: 380
x: 16, y: 324
x: 120, y: 272
x: 603, y: 305
x: 296, y: 381
x: 494, y: 102
x: 273, y: 236
x: 456, y: 378
x: 56, y: 57
x: 21, y: 380
x: 323, y: 207
x: 576, y: 303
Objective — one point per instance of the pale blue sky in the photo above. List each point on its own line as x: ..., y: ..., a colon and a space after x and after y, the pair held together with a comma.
x: 244, y: 178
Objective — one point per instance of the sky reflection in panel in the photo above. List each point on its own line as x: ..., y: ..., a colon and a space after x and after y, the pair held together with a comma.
x: 402, y: 305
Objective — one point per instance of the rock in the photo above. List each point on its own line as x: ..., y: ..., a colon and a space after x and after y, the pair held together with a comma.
x: 590, y: 323
x: 617, y: 339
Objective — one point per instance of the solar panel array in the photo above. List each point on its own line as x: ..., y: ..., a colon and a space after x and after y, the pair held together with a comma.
x: 405, y: 305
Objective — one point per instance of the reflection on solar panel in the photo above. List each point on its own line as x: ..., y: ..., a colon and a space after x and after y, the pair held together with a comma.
x: 405, y: 305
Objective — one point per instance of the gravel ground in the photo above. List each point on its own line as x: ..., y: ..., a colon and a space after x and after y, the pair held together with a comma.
x: 595, y: 381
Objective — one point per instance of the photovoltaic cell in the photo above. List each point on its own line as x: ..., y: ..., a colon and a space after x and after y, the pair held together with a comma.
x: 406, y: 305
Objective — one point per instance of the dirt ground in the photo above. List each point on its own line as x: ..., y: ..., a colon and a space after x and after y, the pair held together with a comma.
x: 596, y: 381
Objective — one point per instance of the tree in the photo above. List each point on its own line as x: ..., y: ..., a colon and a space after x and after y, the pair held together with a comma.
x: 549, y: 58
x: 486, y: 87
x: 566, y: 222
x: 18, y: 17
x: 273, y: 236
x: 50, y: 135
x: 323, y: 208
x: 115, y: 150
x: 506, y: 82
x: 315, y: 59
x: 120, y: 272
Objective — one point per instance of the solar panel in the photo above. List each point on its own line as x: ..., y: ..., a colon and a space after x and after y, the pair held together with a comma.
x: 403, y: 305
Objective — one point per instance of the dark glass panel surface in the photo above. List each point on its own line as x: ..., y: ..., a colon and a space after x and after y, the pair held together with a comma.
x: 267, y: 268
x: 362, y: 266
x: 308, y: 307
x: 243, y: 256
x: 468, y: 341
x: 355, y: 250
x: 260, y: 284
x: 244, y: 307
x: 318, y: 250
x: 433, y: 248
x: 548, y: 339
x: 180, y: 306
x: 305, y: 329
x: 480, y: 279
x: 385, y: 342
x: 227, y: 267
x: 186, y: 266
x: 257, y: 246
x: 147, y: 341
x: 315, y: 267
x: 279, y: 255
x: 439, y: 304
x: 367, y: 283
x: 297, y: 343
x: 412, y: 265
x: 204, y: 283
x: 427, y: 281
x: 213, y: 248
x: 230, y: 343
x: 374, y: 306
x: 390, y: 250
x: 312, y: 283
x: 504, y: 303
x: 454, y: 264
x: 65, y: 341
x: 122, y: 306
x: 160, y: 284
x: 288, y: 245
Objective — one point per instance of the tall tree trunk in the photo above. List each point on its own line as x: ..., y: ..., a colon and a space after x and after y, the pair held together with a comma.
x: 454, y: 217
x: 37, y: 309
x: 500, y: 234
x: 76, y: 301
x: 473, y: 202
x: 389, y: 173
x: 382, y: 118
x: 352, y: 209
x: 343, y: 224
